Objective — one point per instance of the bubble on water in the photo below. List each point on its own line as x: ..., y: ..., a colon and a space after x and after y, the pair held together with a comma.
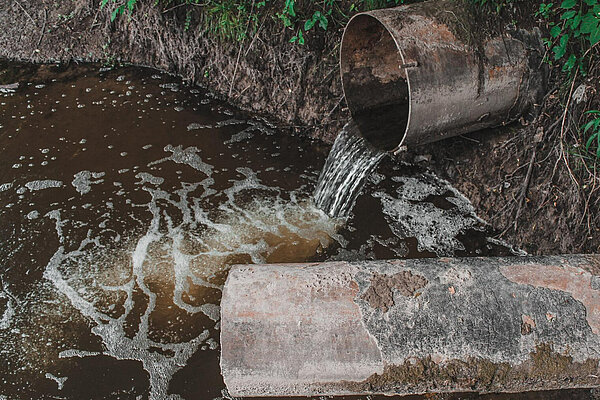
x: 174, y: 87
x: 228, y: 122
x: 9, y: 308
x: 60, y: 381
x: 244, y: 135
x: 84, y: 180
x: 16, y: 165
x: 188, y: 156
x: 212, y: 344
x: 195, y: 126
x: 33, y: 215
x: 184, y: 258
x: 43, y: 184
x: 148, y: 178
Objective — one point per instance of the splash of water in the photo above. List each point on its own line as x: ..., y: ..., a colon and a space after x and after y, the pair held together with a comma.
x: 176, y: 264
x: 348, y: 165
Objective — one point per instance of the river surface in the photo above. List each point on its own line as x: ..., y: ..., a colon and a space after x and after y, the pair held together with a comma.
x: 124, y: 198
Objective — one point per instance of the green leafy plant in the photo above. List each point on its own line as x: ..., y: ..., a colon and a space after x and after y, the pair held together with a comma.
x: 236, y: 19
x: 592, y: 128
x: 125, y: 6
x: 288, y: 14
x: 577, y: 28
x: 229, y: 19
x: 328, y: 11
x: 298, y: 37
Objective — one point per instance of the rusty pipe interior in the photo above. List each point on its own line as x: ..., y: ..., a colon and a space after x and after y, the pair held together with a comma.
x: 376, y: 86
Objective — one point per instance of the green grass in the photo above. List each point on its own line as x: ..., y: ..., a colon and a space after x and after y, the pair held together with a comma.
x: 234, y: 20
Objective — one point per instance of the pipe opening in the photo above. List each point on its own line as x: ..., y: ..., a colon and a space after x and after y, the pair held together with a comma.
x: 375, y: 82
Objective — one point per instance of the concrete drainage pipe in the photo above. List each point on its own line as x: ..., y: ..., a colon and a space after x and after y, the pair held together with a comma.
x: 416, y: 74
x: 412, y: 326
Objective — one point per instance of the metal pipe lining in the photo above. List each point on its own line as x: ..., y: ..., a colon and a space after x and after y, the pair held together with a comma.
x: 419, y: 73
x: 412, y: 326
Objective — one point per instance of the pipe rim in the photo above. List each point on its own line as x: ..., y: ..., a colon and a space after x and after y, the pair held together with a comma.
x: 373, y: 15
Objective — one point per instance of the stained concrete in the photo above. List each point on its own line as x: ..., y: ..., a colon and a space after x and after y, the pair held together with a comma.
x: 462, y: 324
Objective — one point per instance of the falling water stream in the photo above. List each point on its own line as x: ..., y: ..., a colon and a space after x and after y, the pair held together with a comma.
x: 350, y: 162
x: 124, y: 198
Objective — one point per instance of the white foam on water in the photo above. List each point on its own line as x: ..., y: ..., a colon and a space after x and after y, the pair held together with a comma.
x: 182, y: 253
x: 77, y: 353
x: 188, y: 156
x: 43, y: 184
x: 434, y: 228
x: 9, y: 311
x: 33, y: 214
x: 83, y: 181
x: 229, y: 122
x: 149, y: 178
x: 195, y: 125
x: 248, y: 133
x: 60, y: 381
x: 174, y: 87
x: 5, y: 186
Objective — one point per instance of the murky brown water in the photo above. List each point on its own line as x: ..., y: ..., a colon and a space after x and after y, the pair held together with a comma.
x: 125, y: 196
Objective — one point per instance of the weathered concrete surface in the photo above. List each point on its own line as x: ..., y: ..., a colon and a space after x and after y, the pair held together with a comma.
x: 427, y: 72
x: 412, y: 326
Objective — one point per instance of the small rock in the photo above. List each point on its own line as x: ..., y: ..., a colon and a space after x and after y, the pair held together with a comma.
x: 11, y: 87
x: 539, y: 135
x: 422, y: 158
x: 579, y: 93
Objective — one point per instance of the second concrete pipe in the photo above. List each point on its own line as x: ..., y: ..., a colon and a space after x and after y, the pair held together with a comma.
x: 419, y: 73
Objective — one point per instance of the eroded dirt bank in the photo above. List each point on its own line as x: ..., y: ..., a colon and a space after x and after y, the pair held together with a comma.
x: 295, y: 85
x: 522, y: 179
